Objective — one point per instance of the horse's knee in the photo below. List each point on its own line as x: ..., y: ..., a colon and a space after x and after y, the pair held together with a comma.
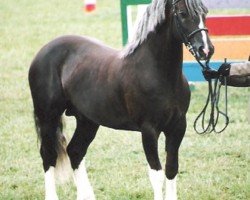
x: 171, y: 171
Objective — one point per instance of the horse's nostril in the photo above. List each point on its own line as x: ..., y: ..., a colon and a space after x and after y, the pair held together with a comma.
x: 204, y: 51
x: 201, y: 50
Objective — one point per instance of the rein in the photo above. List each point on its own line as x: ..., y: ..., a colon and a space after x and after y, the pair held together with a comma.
x: 214, y: 87
x: 214, y: 92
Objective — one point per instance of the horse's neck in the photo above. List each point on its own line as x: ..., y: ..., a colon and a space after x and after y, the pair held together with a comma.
x: 164, y: 48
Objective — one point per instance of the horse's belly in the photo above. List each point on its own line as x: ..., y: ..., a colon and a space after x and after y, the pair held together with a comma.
x: 112, y: 119
x: 105, y: 111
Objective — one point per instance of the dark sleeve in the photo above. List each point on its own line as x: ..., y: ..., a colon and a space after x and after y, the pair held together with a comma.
x: 236, y: 81
x: 239, y: 75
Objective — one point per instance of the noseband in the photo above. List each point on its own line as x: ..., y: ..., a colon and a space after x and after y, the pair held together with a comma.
x: 185, y: 37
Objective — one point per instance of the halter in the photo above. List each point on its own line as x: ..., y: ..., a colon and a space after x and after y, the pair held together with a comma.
x: 213, y: 88
x: 185, y: 38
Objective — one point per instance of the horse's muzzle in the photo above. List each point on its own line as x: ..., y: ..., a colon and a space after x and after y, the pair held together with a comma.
x: 203, y: 53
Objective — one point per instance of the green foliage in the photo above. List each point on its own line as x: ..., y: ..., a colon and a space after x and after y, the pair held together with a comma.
x: 211, y: 166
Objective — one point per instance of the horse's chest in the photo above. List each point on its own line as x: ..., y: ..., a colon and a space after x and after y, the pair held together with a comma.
x: 150, y: 103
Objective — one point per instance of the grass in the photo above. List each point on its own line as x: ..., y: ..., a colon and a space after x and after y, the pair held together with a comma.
x: 211, y: 166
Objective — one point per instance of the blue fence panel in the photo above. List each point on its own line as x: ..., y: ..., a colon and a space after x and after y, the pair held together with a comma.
x: 193, y: 70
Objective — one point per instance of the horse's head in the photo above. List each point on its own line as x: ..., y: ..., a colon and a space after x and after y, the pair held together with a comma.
x: 189, y: 25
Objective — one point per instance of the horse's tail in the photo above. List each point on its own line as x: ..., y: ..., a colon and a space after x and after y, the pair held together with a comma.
x: 63, y: 169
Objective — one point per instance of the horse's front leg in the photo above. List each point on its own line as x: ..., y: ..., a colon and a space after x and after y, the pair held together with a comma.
x: 156, y: 174
x: 173, y: 141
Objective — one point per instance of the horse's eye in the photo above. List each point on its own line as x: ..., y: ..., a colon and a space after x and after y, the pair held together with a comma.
x: 183, y: 14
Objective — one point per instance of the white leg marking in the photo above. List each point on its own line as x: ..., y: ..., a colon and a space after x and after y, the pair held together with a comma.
x: 84, y: 188
x: 204, y: 36
x: 171, y: 191
x: 157, y: 179
x: 50, y: 186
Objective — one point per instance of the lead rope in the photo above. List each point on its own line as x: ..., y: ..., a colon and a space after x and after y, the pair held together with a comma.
x: 219, y: 112
x: 213, y: 98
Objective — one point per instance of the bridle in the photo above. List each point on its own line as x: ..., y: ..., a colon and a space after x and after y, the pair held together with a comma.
x: 185, y: 37
x: 212, y: 76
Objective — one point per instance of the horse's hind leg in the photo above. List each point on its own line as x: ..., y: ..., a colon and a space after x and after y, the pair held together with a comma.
x: 48, y: 132
x: 173, y: 141
x: 156, y: 174
x: 49, y: 128
x: 84, y: 134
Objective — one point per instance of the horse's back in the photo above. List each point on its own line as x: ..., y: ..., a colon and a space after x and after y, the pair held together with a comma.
x: 52, y: 57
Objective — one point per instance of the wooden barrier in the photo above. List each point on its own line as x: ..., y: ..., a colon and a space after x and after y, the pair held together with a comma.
x: 229, y: 25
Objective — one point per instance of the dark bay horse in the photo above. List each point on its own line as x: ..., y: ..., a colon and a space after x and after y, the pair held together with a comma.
x: 140, y: 88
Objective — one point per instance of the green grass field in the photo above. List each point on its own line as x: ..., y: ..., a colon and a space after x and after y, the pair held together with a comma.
x: 212, y: 167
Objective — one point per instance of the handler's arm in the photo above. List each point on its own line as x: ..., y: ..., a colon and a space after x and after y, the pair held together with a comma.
x: 236, y: 74
x: 240, y: 69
